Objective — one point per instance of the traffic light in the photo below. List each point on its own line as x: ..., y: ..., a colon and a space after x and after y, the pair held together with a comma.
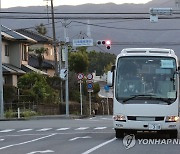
x: 106, y: 43
x: 63, y: 74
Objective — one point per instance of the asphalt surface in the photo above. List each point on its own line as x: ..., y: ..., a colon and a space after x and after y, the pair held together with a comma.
x: 72, y: 136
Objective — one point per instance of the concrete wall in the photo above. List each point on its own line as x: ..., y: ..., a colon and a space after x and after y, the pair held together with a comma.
x: 5, y: 59
x: 15, y: 54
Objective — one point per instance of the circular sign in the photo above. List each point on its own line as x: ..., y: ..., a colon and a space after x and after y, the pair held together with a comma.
x: 90, y: 85
x: 80, y: 76
x: 89, y: 76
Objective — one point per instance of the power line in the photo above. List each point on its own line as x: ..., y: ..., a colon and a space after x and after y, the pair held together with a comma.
x: 82, y: 18
x: 72, y: 13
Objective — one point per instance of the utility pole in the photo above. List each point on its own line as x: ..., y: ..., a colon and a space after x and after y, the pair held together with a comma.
x: 66, y: 66
x: 54, y: 39
x: 1, y: 74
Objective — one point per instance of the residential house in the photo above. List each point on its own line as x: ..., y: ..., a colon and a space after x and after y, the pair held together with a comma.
x: 48, y: 62
x: 14, y: 54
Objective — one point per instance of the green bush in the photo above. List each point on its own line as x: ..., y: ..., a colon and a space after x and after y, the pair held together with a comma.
x: 9, y: 114
x: 28, y: 114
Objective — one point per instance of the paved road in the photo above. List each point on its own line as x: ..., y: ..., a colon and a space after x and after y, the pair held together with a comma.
x: 70, y: 136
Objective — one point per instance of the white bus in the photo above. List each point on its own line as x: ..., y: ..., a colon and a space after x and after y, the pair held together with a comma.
x: 146, y: 91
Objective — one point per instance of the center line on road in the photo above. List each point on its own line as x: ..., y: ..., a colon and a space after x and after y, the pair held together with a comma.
x: 47, y: 151
x: 98, y: 146
x: 81, y: 128
x: 24, y: 130
x: 85, y: 137
x: 100, y: 128
x: 6, y: 130
x: 43, y: 129
x: 62, y: 129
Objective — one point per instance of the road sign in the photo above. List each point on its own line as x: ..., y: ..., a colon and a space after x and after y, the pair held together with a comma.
x: 106, y: 88
x: 90, y: 87
x: 82, y: 42
x: 89, y: 76
x: 80, y: 76
x: 63, y: 73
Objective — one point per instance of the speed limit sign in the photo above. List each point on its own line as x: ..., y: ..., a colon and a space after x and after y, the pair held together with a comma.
x: 80, y: 76
x: 89, y: 76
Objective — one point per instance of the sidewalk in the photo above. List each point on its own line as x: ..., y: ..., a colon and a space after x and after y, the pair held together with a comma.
x: 46, y: 117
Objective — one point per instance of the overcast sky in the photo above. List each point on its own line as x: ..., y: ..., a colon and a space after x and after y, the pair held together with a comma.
x: 14, y: 3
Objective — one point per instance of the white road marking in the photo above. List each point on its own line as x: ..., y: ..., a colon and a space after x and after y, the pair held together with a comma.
x: 24, y: 130
x: 81, y: 128
x: 47, y: 151
x: 98, y: 146
x: 100, y: 128
x: 106, y: 119
x: 22, y: 143
x: 44, y: 129
x: 6, y: 130
x: 62, y: 129
x: 73, y: 139
x: 1, y: 139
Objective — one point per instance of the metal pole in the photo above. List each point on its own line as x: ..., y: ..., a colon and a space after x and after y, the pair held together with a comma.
x: 107, y: 103
x: 66, y: 66
x: 90, y: 103
x: 81, y: 94
x: 1, y: 74
x: 60, y: 67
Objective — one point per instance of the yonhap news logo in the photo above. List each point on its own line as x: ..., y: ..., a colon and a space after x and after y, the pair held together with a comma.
x: 130, y: 141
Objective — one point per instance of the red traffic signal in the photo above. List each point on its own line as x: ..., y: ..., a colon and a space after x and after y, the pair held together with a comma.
x: 107, y: 43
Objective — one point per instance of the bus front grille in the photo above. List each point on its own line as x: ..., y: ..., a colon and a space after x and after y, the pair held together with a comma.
x: 139, y: 118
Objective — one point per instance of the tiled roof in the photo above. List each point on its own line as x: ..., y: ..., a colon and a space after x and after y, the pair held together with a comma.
x: 11, y: 34
x: 28, y: 68
x: 36, y: 36
x: 10, y: 69
x: 33, y: 61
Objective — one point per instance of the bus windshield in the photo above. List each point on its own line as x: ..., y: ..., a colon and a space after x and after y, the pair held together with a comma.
x: 142, y: 78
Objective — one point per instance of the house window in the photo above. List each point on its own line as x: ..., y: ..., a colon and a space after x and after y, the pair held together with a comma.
x: 24, y: 52
x: 7, y: 50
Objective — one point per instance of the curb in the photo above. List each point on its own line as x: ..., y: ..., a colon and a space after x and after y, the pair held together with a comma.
x: 46, y: 117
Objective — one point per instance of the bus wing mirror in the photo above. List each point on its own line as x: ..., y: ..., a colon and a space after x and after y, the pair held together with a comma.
x: 110, y: 76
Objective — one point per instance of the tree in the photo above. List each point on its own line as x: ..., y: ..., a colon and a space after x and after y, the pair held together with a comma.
x: 78, y: 61
x: 39, y: 52
x: 98, y: 61
x: 41, y: 29
x: 35, y: 86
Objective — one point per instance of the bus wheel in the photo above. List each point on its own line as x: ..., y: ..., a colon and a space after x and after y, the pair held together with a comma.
x: 119, y: 133
x: 173, y: 134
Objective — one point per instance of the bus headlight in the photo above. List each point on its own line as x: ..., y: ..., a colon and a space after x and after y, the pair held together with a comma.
x: 172, y: 118
x: 119, y: 117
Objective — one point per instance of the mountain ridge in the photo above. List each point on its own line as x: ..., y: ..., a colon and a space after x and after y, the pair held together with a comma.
x: 123, y: 31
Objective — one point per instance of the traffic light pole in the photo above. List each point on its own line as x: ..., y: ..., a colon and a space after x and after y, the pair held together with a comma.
x: 66, y: 66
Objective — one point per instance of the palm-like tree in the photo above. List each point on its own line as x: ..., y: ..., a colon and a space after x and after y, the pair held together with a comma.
x: 39, y: 52
x: 41, y: 29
